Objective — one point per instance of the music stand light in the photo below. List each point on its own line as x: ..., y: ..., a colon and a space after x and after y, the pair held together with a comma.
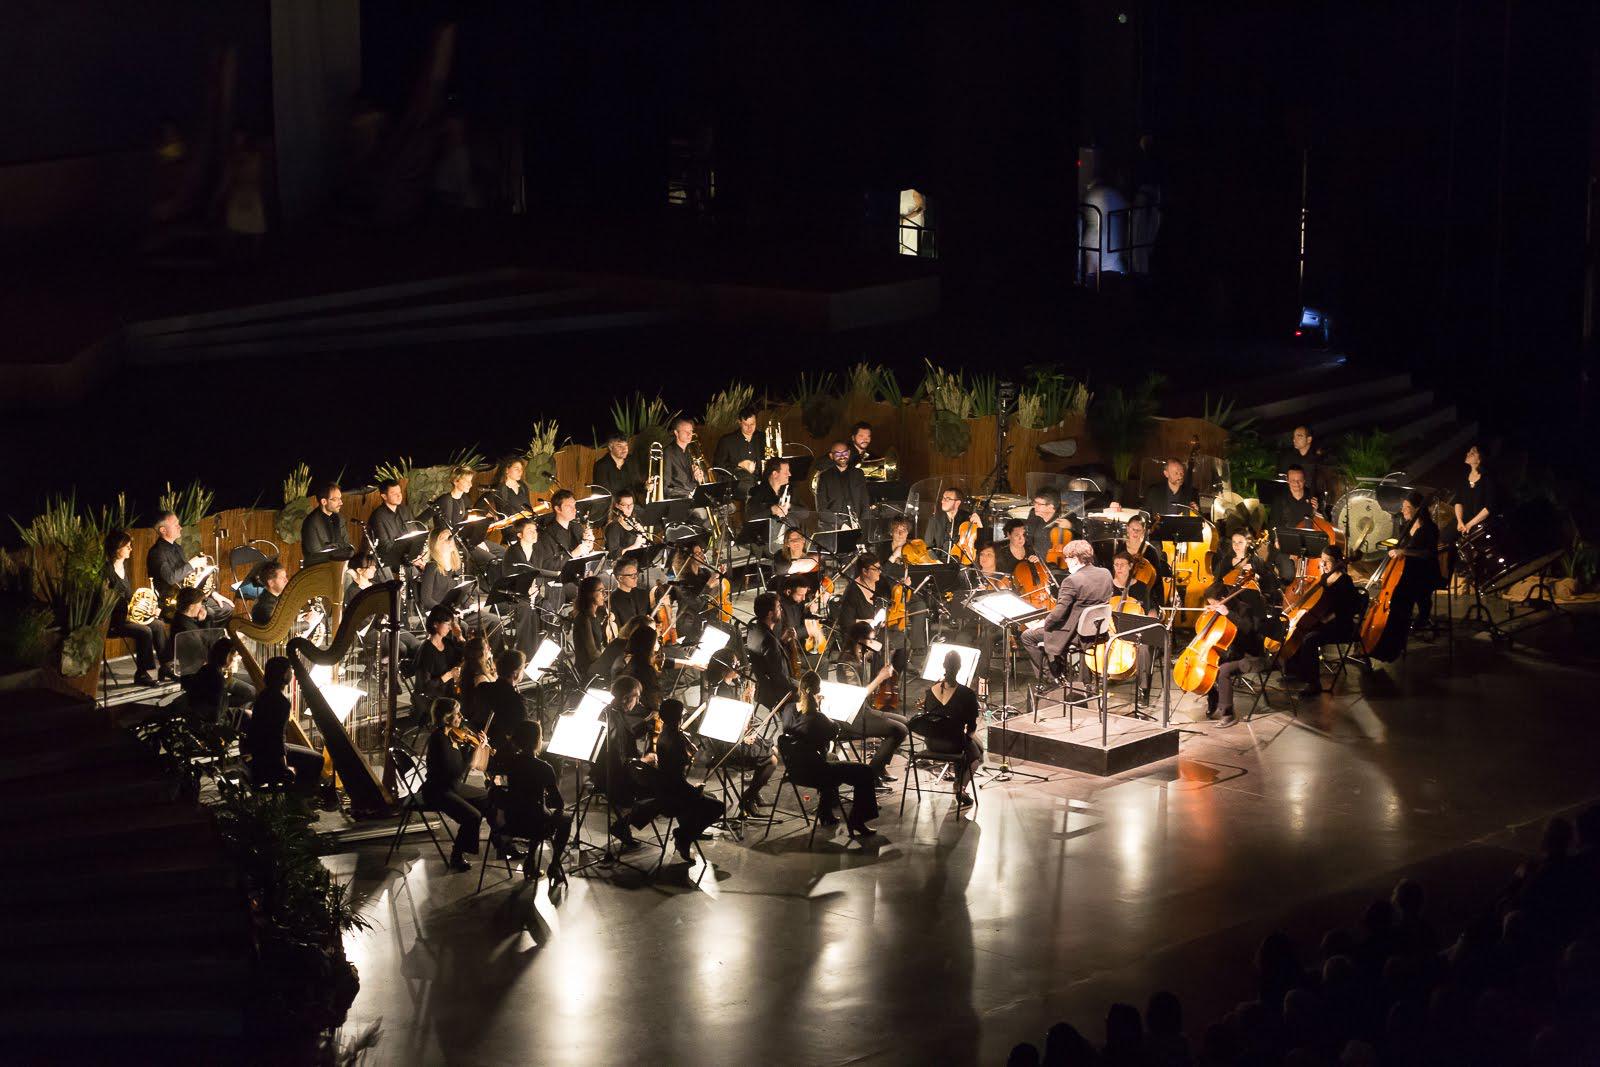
x: 933, y: 666
x: 543, y: 657
x: 726, y: 720
x: 341, y: 699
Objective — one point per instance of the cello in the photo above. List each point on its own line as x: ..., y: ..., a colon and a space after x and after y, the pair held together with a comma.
x: 1032, y: 583
x: 1117, y: 658
x: 1196, y: 668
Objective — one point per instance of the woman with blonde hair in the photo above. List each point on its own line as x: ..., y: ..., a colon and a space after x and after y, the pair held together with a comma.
x: 443, y: 572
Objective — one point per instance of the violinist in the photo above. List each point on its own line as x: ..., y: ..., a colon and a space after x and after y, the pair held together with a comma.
x: 807, y: 739
x: 1245, y: 611
x: 593, y: 627
x: 639, y: 662
x: 772, y: 648
x: 949, y: 723
x: 1137, y: 547
x: 1124, y: 584
x: 531, y: 804
x: 1047, y: 517
x: 1085, y: 585
x: 623, y: 532
x: 1330, y: 620
x: 794, y: 598
x: 697, y: 585
x: 445, y: 789
x: 1419, y: 545
x: 622, y: 772
x: 752, y: 756
x: 861, y: 663
x: 945, y: 523
x: 860, y: 599
x: 1241, y: 551
x: 493, y: 703
x: 477, y: 668
x: 674, y: 796
x: 898, y: 556
x: 770, y: 499
x: 438, y: 663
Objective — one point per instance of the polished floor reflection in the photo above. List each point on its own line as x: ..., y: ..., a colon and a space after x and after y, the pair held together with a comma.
x: 957, y: 936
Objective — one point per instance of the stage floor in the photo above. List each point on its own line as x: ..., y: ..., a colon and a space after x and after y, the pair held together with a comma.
x: 957, y: 936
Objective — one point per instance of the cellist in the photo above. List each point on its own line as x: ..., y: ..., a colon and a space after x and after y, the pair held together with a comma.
x: 1123, y: 584
x: 1244, y: 655
x: 1330, y: 620
x: 1137, y: 548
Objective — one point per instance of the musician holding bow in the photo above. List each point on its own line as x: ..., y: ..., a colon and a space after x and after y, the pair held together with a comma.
x: 1084, y: 586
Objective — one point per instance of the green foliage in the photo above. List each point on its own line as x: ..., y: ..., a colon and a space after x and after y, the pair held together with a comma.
x: 1048, y: 397
x: 819, y: 402
x: 642, y: 420
x: 1120, y: 420
x: 423, y: 484
x: 1369, y: 455
x: 944, y: 391
x: 191, y: 504
x: 1582, y: 564
x: 297, y: 486
x: 67, y: 546
x: 540, y: 457
x: 887, y: 389
x: 861, y: 384
x: 722, y: 410
x: 286, y: 524
x: 951, y: 433
x: 1221, y: 414
x: 1250, y: 462
x: 983, y: 392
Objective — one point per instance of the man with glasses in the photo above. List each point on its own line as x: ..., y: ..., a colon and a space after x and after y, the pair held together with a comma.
x: 842, y: 489
x: 943, y: 525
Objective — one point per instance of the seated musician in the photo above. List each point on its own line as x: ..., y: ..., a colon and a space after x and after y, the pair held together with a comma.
x: 1476, y: 498
x: 615, y: 471
x: 191, y: 616
x: 794, y: 598
x: 940, y: 533
x: 1123, y: 584
x: 438, y: 663
x: 859, y: 663
x: 1330, y: 620
x: 272, y: 760
x: 274, y: 577
x: 150, y: 644
x: 1419, y: 544
x: 948, y: 721
x: 445, y: 789
x: 167, y: 568
x: 531, y: 804
x: 524, y: 561
x: 861, y: 443
x: 442, y: 574
x: 770, y: 498
x: 1246, y: 611
x: 492, y: 703
x: 1136, y: 544
x: 639, y: 663
x: 1085, y: 585
x: 213, y: 689
x: 623, y: 531
x: 1241, y: 550
x: 739, y: 452
x: 1013, y: 552
x: 563, y: 536
x: 1047, y: 516
x: 1296, y: 503
x: 592, y: 626
x: 674, y: 796
x: 792, y: 554
x: 985, y: 571
x: 510, y: 493
x: 623, y: 771
x: 323, y: 536
x: 696, y: 587
x: 682, y: 475
x: 897, y: 569
x: 390, y: 521
x: 1300, y: 453
x: 1173, y: 495
x: 805, y: 745
x: 842, y: 489
x: 477, y: 668
x: 359, y: 576
x: 860, y: 599
x: 628, y: 600
x: 770, y: 645
x: 753, y: 755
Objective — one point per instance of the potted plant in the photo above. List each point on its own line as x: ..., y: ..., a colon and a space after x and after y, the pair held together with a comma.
x: 297, y: 504
x: 951, y: 402
x: 540, y: 458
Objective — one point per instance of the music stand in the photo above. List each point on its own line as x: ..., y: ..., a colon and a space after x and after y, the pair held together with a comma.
x: 578, y: 740
x: 841, y: 542
x: 593, y: 702
x: 1006, y: 610
x: 713, y: 494
x: 651, y: 514
x: 756, y: 535
x: 577, y: 568
x: 543, y: 657
x: 712, y: 640
x: 594, y: 509
x: 933, y: 665
x: 1297, y: 541
x: 1179, y: 529
x: 644, y: 556
x: 841, y: 701
x: 1155, y: 635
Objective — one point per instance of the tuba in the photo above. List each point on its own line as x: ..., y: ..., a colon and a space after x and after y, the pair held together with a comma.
x: 882, y: 469
x: 655, y: 480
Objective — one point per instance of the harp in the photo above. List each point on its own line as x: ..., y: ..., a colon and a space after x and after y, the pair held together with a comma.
x: 324, y: 580
x: 369, y: 796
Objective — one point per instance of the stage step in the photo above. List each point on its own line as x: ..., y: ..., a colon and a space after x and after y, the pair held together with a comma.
x: 1288, y: 410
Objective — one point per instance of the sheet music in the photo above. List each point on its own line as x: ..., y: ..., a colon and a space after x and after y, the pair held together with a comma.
x: 841, y: 702
x: 726, y: 719
x: 543, y: 657
x: 575, y: 738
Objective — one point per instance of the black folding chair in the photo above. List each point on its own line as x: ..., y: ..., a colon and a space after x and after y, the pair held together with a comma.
x: 408, y: 776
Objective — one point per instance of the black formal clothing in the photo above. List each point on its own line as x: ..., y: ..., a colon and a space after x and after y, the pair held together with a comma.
x: 588, y: 641
x: 150, y: 640
x: 854, y: 606
x: 732, y: 449
x: 1292, y: 512
x: 266, y: 603
x: 387, y: 525
x: 273, y: 761
x: 1158, y: 560
x: 1089, y: 586
x: 805, y: 746
x: 870, y: 722
x: 650, y: 691
x: 940, y: 531
x: 445, y: 790
x: 559, y: 542
x: 769, y: 665
x: 495, y: 707
x: 619, y: 538
x: 762, y: 499
x: 1336, y: 614
x: 1475, y: 498
x: 517, y: 556
x: 628, y: 605
x: 615, y: 773
x: 210, y: 693
x: 1039, y: 535
x: 323, y: 538
x: 1413, y: 594
x: 450, y: 511
x: 509, y: 501
x: 843, y: 491
x: 435, y: 586
x: 794, y: 616
x: 612, y: 478
x: 167, y: 566
x: 1243, y: 656
x: 531, y: 804
x: 192, y: 640
x: 1159, y: 499
x: 679, y: 466
x: 1311, y: 464
x: 431, y: 665
x: 953, y: 726
x: 689, y: 804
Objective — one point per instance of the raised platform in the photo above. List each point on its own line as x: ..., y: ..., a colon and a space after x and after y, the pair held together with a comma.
x: 1128, y: 742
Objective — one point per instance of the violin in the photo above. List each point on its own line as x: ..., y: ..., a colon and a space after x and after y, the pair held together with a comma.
x: 964, y: 550
x: 462, y: 737
x: 1060, y: 536
x: 1196, y: 668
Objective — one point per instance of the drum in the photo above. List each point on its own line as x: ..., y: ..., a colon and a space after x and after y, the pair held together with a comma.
x: 1498, y: 554
x: 1367, y: 523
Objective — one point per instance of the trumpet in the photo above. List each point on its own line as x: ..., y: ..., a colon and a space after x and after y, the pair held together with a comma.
x: 655, y: 481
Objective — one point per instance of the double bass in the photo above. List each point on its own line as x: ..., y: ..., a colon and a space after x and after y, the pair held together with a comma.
x: 1381, y: 588
x: 1196, y: 668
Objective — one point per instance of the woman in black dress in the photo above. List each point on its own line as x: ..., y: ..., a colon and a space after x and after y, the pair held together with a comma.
x: 1419, y: 544
x: 592, y: 627
x: 150, y: 639
x: 1475, y: 496
x: 273, y: 761
x: 949, y: 723
x: 445, y: 788
x: 443, y: 572
x: 437, y: 667
x: 805, y: 752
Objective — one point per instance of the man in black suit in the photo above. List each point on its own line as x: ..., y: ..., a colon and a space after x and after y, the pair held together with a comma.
x: 1174, y: 495
x: 322, y: 535
x: 769, y: 660
x: 740, y: 453
x: 1084, y: 586
x: 616, y: 470
x: 167, y: 567
x: 681, y: 475
x: 842, y: 489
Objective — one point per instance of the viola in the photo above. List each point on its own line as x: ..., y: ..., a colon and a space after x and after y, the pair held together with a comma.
x: 1196, y: 668
x: 965, y: 548
x: 1060, y: 536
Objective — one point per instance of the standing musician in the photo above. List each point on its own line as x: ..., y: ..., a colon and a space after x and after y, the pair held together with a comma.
x: 1301, y: 454
x: 623, y: 532
x: 1123, y: 584
x: 861, y: 664
x: 1084, y: 585
x: 628, y: 600
x: 690, y: 805
x: 450, y: 511
x: 1475, y: 495
x: 150, y: 639
x: 682, y: 473
x: 945, y: 524
x: 842, y: 489
x: 445, y: 789
x: 1243, y: 656
x: 1419, y: 544
x: 322, y: 535
x: 531, y: 804
x: 949, y: 723
x: 772, y: 649
x: 443, y: 571
x: 1047, y: 516
x: 753, y: 755
x: 860, y: 443
x: 165, y: 565
x: 438, y: 664
x: 770, y: 498
x: 623, y: 772
x: 615, y: 471
x: 1330, y: 620
x: 807, y: 738
x: 740, y: 451
x: 592, y: 627
x: 1174, y: 495
x: 390, y: 521
x: 1137, y: 547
